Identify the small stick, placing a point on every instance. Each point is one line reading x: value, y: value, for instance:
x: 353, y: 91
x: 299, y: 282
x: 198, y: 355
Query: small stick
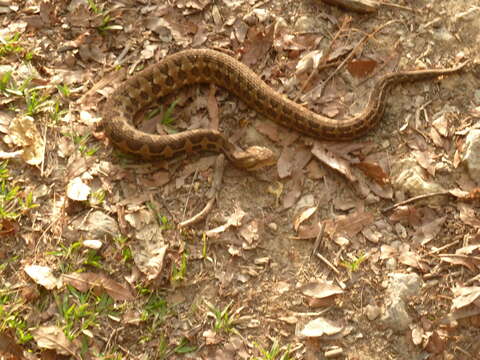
x: 413, y: 199
x: 353, y: 52
x: 211, y: 195
x: 329, y: 264
x: 318, y: 240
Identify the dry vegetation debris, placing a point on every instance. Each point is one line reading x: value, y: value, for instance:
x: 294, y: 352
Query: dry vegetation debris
x: 365, y: 249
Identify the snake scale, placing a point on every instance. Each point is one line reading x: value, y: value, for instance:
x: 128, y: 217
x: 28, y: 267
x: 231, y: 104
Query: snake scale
x: 208, y: 66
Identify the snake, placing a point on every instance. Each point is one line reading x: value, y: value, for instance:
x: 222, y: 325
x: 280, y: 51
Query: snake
x: 195, y: 66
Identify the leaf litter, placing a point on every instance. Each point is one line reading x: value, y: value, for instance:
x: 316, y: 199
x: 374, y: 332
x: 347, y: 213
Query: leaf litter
x: 106, y: 217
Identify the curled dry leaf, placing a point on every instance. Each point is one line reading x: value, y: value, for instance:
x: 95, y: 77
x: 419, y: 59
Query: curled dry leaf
x: 320, y: 289
x: 149, y: 250
x: 321, y: 293
x: 465, y: 295
x: 43, y: 275
x: 303, y: 216
x: 471, y: 195
x: 249, y: 232
x: 470, y: 262
x: 24, y: 133
x: 332, y: 160
x: 88, y: 280
x: 320, y: 327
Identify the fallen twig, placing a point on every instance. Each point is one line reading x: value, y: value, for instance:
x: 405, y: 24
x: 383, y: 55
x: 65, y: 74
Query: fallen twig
x: 413, y: 199
x: 211, y: 195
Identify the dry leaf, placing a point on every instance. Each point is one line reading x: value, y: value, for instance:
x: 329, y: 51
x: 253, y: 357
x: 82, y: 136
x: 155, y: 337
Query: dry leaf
x: 332, y: 160
x: 249, y: 232
x: 234, y: 219
x: 77, y: 190
x: 465, y: 296
x: 43, y: 275
x: 468, y: 215
x: 149, y: 250
x: 360, y: 68
x: 9, y: 349
x: 320, y: 327
x: 469, y: 262
x: 24, y: 133
x: 88, y: 280
x: 303, y: 216
x: 52, y: 337
x: 412, y: 259
x: 374, y: 171
x: 320, y: 289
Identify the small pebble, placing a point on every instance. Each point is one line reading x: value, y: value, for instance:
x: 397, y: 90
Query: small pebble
x: 372, y: 312
x: 272, y: 226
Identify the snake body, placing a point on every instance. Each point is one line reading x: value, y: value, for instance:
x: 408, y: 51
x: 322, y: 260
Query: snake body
x: 209, y: 66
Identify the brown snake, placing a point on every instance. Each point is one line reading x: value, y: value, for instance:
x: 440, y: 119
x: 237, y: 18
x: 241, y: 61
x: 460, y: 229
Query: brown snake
x: 209, y: 66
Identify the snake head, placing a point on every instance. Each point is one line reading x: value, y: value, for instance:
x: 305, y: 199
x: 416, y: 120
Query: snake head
x: 253, y: 158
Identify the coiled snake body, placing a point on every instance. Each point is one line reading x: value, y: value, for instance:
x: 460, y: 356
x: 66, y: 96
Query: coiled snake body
x: 209, y: 66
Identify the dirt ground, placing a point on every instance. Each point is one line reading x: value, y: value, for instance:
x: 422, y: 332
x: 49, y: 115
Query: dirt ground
x: 295, y: 261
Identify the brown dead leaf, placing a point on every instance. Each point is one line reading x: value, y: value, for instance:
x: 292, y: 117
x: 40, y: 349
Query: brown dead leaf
x: 470, y: 262
x: 436, y: 341
x: 269, y: 129
x: 285, y: 162
x: 414, y: 260
x: 441, y: 124
x: 425, y: 160
x: 348, y: 225
x: 361, y: 68
x: 292, y: 159
x: 8, y: 227
x: 294, y: 190
x: 98, y: 282
x: 387, y: 252
x: 52, y: 337
x: 149, y: 250
x: 374, y: 171
x: 157, y: 179
x: 212, y: 107
x: 257, y: 44
x: 284, y: 39
x: 333, y: 161
x: 407, y: 215
x: 9, y: 349
x: 429, y: 230
x: 315, y: 171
